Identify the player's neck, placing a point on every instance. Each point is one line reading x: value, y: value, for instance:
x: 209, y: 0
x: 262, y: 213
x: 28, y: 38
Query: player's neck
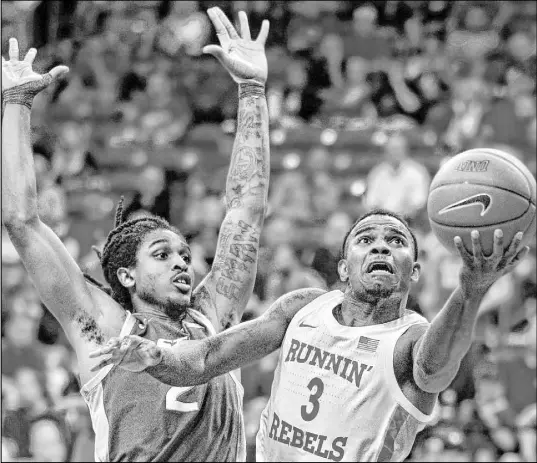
x: 155, y: 311
x: 356, y: 312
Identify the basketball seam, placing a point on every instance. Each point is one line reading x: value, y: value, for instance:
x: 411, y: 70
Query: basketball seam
x: 524, y: 174
x: 484, y: 184
x: 481, y: 226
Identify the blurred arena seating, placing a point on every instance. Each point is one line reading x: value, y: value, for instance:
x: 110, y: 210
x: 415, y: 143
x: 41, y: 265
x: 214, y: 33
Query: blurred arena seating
x: 143, y: 113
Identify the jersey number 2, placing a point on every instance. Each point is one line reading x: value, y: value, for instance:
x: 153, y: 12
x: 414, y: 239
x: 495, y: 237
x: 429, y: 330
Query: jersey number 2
x: 314, y: 399
x: 172, y: 396
x: 173, y: 403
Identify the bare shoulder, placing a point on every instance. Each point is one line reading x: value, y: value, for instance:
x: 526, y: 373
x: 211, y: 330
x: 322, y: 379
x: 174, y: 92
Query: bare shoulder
x: 289, y: 304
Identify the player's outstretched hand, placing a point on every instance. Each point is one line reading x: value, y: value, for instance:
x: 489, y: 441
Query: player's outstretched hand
x: 131, y: 353
x: 479, y: 272
x: 17, y: 73
x: 243, y: 57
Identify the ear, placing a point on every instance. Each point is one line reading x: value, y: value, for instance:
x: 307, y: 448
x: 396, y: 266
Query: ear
x: 416, y: 270
x: 343, y: 270
x: 126, y: 277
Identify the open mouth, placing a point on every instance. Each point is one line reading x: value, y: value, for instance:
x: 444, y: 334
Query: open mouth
x: 182, y: 282
x: 380, y: 268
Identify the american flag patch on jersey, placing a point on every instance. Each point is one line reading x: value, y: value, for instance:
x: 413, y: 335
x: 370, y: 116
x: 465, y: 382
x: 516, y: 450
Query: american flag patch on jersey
x: 368, y: 344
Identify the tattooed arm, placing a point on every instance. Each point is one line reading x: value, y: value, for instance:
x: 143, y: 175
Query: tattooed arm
x: 196, y: 362
x: 222, y: 296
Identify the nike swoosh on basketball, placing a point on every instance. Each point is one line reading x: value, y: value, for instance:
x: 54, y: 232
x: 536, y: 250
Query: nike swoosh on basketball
x: 481, y: 199
x: 305, y: 325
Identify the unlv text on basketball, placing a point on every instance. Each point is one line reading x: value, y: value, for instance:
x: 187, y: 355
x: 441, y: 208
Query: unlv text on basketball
x: 300, y: 352
x: 280, y: 431
x: 473, y: 166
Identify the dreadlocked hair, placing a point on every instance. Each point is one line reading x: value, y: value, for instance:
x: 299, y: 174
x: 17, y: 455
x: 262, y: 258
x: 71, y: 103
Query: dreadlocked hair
x: 121, y: 248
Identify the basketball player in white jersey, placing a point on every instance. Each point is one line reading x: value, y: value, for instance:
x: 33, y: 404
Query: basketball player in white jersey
x: 358, y: 374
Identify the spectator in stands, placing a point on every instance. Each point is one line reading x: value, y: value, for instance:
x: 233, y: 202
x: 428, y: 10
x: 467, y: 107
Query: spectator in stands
x: 50, y: 439
x: 327, y: 256
x: 288, y: 273
x: 365, y: 38
x: 398, y: 183
x: 152, y: 195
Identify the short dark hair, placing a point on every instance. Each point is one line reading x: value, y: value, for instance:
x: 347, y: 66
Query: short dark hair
x: 121, y: 248
x: 385, y: 212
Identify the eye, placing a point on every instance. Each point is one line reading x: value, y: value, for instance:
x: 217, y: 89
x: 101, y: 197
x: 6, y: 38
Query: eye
x: 161, y: 255
x: 364, y: 240
x: 398, y: 241
x: 187, y: 258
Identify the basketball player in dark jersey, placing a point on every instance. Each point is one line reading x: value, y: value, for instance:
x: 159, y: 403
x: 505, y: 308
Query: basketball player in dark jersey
x: 147, y: 265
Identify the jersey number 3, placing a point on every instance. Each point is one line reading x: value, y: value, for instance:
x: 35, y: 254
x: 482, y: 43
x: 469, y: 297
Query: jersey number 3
x: 314, y: 399
x: 172, y: 396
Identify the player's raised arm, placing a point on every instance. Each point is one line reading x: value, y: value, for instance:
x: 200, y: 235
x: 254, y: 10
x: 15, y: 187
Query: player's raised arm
x: 224, y: 293
x: 437, y: 354
x: 196, y: 362
x: 53, y: 271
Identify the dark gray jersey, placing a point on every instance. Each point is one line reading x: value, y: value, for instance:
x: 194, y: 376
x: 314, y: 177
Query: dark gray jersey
x: 138, y: 418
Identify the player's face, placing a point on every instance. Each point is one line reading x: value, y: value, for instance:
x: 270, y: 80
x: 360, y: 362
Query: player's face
x: 380, y: 258
x: 164, y: 274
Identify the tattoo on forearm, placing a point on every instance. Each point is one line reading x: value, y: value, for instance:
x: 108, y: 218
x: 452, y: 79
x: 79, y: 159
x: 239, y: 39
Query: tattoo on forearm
x: 235, y: 258
x: 249, y: 170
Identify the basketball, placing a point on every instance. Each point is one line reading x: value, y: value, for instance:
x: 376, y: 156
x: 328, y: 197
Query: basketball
x: 482, y: 189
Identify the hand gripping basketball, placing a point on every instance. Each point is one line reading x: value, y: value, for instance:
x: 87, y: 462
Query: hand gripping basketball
x: 131, y: 353
x: 479, y: 272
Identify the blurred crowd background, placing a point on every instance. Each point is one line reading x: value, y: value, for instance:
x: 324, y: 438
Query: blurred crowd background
x: 366, y: 100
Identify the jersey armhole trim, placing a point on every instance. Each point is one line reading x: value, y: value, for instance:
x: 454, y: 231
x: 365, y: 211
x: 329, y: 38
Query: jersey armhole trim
x: 317, y: 303
x: 126, y: 329
x: 395, y: 390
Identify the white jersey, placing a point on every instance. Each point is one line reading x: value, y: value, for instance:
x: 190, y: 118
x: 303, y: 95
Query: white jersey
x: 335, y: 396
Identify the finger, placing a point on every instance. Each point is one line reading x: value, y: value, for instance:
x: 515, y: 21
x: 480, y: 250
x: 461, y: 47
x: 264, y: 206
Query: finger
x: 217, y: 23
x: 58, y: 71
x: 102, y: 364
x: 512, y: 250
x: 514, y: 246
x: 112, y: 344
x: 227, y: 24
x: 497, y: 252
x: 477, y: 251
x: 263, y: 33
x: 13, y: 49
x: 519, y: 257
x: 465, y: 255
x: 216, y: 51
x: 103, y: 351
x: 245, y: 27
x: 30, y: 56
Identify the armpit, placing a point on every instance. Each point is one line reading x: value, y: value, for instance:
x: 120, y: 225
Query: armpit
x: 88, y: 327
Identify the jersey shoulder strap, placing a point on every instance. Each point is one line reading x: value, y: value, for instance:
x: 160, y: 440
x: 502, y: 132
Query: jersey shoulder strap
x: 126, y: 329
